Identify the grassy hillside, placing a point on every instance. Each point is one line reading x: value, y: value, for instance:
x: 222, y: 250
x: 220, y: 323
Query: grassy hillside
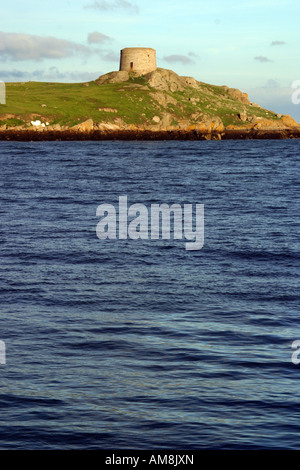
x: 134, y: 101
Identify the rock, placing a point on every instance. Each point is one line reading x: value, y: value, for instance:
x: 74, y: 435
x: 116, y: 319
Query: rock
x: 289, y: 121
x: 107, y: 126
x: 34, y: 128
x: 108, y: 110
x: 255, y: 105
x: 54, y: 127
x: 166, y: 80
x: 36, y: 123
x: 8, y: 116
x: 43, y: 105
x: 190, y: 82
x: 119, y: 122
x: 238, y: 95
x: 113, y: 77
x: 166, y: 121
x: 85, y: 126
x: 211, y: 123
x: 157, y: 80
x: 243, y: 115
x: 163, y: 99
x: 156, y: 119
x: 263, y: 123
x: 196, y: 116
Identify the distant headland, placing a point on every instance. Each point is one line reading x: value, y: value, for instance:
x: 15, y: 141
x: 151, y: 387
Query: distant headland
x: 139, y: 101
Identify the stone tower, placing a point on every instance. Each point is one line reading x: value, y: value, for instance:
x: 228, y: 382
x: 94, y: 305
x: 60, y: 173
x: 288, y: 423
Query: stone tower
x: 140, y: 60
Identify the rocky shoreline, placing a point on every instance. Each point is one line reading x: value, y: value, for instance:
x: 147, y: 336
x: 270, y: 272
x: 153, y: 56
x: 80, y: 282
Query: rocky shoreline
x: 100, y: 135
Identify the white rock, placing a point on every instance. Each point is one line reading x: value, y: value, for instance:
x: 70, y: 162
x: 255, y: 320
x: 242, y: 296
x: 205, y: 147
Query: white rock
x: 36, y: 123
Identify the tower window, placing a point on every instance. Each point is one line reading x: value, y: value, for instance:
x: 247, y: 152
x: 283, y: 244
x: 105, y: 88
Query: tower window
x: 131, y: 65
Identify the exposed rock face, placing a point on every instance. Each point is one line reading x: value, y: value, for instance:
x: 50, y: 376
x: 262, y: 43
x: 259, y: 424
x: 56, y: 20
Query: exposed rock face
x: 289, y: 121
x: 190, y: 81
x: 55, y: 127
x: 167, y: 80
x: 163, y: 99
x: 257, y: 122
x: 161, y: 79
x: 209, y: 124
x: 237, y: 95
x: 85, y: 126
x: 113, y: 77
x: 108, y: 126
x: 243, y: 115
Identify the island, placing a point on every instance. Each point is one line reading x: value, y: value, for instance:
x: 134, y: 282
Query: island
x: 137, y: 102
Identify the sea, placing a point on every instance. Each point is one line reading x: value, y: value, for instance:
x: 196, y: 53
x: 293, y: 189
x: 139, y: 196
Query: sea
x: 141, y: 343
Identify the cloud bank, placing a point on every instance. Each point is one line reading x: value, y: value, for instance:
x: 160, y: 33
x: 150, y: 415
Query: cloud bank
x: 16, y: 46
x: 98, y: 38
x: 28, y: 47
x: 52, y: 74
x: 177, y: 58
x: 105, y: 5
x: 262, y: 59
x: 278, y: 43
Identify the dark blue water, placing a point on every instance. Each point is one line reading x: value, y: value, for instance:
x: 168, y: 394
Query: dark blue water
x: 140, y: 344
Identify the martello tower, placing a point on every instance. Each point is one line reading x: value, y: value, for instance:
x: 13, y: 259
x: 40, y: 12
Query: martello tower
x: 140, y: 60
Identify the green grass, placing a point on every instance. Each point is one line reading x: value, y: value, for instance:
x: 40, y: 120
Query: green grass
x: 12, y: 122
x: 72, y: 103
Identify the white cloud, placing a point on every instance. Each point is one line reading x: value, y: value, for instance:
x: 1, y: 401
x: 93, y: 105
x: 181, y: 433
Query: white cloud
x: 109, y: 56
x: 98, y: 38
x: 262, y: 59
x: 25, y: 47
x: 16, y: 46
x: 278, y: 43
x: 193, y: 55
x: 52, y: 74
x: 105, y: 5
x: 272, y: 83
x: 177, y: 58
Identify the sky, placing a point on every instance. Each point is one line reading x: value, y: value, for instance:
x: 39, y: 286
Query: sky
x: 252, y: 45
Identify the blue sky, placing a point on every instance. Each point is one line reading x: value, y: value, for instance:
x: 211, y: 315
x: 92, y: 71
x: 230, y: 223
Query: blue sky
x: 252, y: 45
